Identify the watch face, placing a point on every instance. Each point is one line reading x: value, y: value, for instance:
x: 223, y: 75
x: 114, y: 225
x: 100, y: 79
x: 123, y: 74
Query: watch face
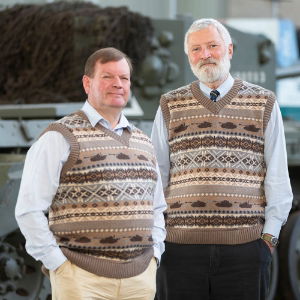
x: 274, y: 241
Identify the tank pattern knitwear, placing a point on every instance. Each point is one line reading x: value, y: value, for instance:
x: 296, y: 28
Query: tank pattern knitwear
x: 215, y: 193
x: 102, y: 213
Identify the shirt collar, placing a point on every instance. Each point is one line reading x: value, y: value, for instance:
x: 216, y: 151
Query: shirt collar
x: 223, y: 89
x: 95, y: 118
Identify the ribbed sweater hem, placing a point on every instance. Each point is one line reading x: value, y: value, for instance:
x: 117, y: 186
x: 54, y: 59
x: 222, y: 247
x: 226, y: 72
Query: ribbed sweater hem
x: 110, y: 268
x: 224, y: 236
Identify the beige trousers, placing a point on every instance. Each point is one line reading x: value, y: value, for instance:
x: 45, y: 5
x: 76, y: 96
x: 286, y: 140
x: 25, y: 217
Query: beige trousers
x: 70, y: 282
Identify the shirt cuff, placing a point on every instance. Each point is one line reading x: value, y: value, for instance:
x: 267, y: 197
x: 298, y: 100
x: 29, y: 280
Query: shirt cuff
x: 272, y: 227
x: 54, y: 259
x: 157, y: 254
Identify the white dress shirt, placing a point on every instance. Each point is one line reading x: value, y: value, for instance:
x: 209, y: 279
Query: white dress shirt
x: 276, y: 184
x: 39, y: 184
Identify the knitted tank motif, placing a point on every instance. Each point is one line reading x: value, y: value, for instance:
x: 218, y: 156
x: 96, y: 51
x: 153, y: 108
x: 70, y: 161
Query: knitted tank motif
x: 215, y: 193
x: 102, y: 213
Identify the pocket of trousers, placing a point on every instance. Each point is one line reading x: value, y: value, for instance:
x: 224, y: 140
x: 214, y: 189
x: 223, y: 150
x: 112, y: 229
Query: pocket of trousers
x: 62, y: 267
x: 265, y: 246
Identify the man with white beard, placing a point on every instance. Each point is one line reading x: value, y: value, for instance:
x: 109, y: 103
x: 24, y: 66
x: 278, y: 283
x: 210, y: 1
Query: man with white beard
x: 221, y: 151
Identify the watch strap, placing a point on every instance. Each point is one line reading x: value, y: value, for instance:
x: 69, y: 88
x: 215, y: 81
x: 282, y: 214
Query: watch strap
x: 270, y: 238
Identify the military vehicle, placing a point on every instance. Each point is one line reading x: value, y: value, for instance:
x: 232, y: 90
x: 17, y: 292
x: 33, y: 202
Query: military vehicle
x: 289, y: 247
x: 40, y: 81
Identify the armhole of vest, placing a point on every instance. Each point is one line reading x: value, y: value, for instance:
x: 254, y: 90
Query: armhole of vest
x: 74, y: 145
x: 165, y: 111
x: 268, y: 110
x: 154, y: 159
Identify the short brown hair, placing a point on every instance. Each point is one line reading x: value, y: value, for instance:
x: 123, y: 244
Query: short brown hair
x: 103, y: 56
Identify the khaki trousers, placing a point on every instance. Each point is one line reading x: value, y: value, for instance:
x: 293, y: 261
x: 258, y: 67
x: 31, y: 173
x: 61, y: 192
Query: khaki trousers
x: 70, y: 282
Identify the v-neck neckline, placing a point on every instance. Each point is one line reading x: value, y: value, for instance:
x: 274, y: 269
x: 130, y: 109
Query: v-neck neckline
x: 215, y: 107
x: 123, y: 138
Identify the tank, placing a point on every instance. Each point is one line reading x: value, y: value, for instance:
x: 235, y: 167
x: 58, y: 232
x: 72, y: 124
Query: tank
x: 289, y: 248
x: 40, y: 81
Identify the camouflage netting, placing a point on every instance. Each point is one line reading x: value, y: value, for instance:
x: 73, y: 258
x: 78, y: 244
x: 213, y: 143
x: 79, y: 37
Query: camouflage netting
x: 44, y: 47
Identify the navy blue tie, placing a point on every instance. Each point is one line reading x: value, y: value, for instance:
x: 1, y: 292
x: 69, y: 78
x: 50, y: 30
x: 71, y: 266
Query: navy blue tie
x: 214, y: 94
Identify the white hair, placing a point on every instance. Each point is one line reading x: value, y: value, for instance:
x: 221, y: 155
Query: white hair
x: 203, y: 23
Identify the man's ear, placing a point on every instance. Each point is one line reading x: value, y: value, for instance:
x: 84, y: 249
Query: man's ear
x: 86, y: 83
x: 230, y: 51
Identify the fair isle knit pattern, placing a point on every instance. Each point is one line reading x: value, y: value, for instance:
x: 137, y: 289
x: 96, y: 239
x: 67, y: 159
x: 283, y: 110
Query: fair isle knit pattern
x: 102, y: 213
x: 215, y: 193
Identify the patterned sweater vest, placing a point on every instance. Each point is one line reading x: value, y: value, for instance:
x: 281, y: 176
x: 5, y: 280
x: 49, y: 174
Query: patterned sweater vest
x: 102, y: 213
x: 215, y: 193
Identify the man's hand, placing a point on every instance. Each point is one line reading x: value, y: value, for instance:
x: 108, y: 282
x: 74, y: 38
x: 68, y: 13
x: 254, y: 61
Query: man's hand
x: 270, y: 240
x: 272, y: 249
x: 45, y: 271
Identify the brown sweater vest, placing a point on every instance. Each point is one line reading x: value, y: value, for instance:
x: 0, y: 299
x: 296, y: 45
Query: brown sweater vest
x: 102, y: 213
x: 215, y: 193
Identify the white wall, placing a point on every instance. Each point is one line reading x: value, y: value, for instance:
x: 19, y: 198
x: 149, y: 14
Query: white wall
x: 285, y: 9
x: 203, y: 9
x: 157, y: 9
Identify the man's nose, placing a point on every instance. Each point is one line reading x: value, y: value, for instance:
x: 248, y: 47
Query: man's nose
x: 117, y: 82
x: 205, y: 53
